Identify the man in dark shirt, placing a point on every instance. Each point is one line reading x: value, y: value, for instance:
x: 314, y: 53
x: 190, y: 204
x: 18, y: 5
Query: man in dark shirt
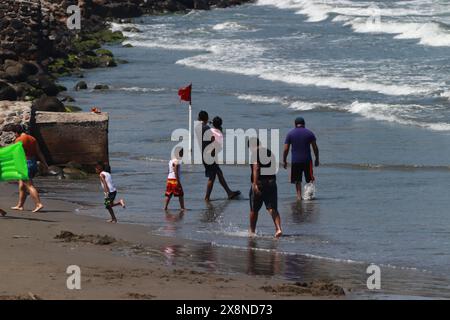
x: 301, y: 140
x: 212, y: 169
x: 264, y: 185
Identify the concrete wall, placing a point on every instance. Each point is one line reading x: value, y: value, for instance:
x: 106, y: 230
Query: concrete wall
x: 80, y: 137
x: 73, y: 137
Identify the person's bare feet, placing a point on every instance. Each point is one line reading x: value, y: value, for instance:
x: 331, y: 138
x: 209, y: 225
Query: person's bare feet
x: 233, y: 195
x: 112, y: 221
x: 122, y: 203
x: 17, y: 208
x: 2, y: 213
x: 278, y: 234
x: 38, y: 208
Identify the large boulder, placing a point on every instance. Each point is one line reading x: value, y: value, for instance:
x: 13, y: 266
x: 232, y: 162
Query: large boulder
x: 7, y: 92
x: 15, y: 71
x: 23, y: 89
x: 46, y: 103
x: 82, y: 85
x: 7, y: 54
x: 31, y: 68
x: 101, y: 87
x: 48, y: 85
x: 44, y: 83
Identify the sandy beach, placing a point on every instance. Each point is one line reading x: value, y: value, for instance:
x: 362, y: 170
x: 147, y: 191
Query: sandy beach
x: 370, y: 80
x: 117, y: 262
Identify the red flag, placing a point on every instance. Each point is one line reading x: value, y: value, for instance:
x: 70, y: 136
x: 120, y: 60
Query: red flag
x: 185, y: 93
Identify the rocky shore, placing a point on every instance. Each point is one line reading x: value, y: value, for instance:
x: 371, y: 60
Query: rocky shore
x: 37, y: 47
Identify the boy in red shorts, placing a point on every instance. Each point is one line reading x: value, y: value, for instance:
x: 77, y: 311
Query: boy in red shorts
x: 174, y: 187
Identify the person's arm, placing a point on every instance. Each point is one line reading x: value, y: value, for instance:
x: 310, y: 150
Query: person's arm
x: 177, y: 174
x: 255, y: 171
x: 41, y: 156
x: 104, y: 184
x: 285, y: 155
x: 316, y: 152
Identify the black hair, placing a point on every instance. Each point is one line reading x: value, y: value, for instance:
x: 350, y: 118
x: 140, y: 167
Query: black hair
x: 16, y: 128
x: 203, y: 116
x: 104, y: 166
x: 217, y: 123
x: 180, y: 150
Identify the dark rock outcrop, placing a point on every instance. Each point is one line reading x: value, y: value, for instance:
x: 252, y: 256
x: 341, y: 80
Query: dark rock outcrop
x: 82, y: 85
x: 7, y: 92
x: 46, y: 103
x: 101, y: 87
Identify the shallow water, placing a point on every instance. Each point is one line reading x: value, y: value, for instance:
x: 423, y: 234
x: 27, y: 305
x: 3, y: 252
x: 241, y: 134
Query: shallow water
x: 378, y: 103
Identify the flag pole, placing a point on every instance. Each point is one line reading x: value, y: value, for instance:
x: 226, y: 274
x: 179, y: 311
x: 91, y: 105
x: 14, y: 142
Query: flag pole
x: 190, y: 130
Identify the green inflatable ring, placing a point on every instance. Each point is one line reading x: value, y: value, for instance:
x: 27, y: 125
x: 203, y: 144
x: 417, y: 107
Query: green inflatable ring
x: 13, y: 163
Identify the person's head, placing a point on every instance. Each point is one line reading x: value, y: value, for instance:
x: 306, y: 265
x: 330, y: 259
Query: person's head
x: 179, y: 153
x: 101, y: 166
x: 17, y: 129
x: 217, y: 123
x: 203, y: 116
x: 299, y: 122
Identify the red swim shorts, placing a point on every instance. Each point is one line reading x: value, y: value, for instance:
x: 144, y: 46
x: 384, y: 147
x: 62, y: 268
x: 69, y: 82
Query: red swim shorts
x: 173, y: 188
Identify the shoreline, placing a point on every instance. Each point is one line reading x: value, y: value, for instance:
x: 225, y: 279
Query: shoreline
x: 118, y: 261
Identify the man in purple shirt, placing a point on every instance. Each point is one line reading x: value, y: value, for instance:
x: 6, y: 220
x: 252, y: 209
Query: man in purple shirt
x: 301, y: 140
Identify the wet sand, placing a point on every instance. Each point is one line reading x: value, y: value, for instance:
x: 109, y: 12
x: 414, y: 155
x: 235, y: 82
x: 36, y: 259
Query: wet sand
x: 117, y: 261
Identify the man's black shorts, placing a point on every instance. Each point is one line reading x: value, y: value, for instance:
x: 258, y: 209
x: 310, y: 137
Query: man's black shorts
x: 300, y: 169
x: 211, y: 170
x: 268, y: 196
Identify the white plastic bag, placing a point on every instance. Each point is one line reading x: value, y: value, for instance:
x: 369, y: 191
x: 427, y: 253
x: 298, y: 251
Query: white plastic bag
x: 309, y: 191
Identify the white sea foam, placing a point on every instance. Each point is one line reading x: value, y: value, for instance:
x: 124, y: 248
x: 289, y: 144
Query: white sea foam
x: 229, y: 26
x: 261, y: 99
x: 319, y: 10
x: 445, y: 95
x: 296, y: 105
x: 120, y: 26
x: 343, y: 83
x: 408, y: 20
x: 167, y: 44
x: 306, y: 106
x: 429, y: 34
x: 400, y: 114
x: 139, y: 89
x: 278, y: 71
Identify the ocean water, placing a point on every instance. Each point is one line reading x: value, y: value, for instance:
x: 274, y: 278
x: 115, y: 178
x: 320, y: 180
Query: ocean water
x: 371, y: 78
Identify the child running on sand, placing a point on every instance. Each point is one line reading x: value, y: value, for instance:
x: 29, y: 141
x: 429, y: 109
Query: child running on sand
x: 110, y: 190
x: 174, y: 187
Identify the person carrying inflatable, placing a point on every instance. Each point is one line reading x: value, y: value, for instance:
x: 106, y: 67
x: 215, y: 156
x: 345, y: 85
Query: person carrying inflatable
x: 33, y: 153
x: 13, y: 165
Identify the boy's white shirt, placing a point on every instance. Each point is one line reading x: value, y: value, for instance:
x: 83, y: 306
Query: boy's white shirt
x: 174, y: 162
x: 107, y: 187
